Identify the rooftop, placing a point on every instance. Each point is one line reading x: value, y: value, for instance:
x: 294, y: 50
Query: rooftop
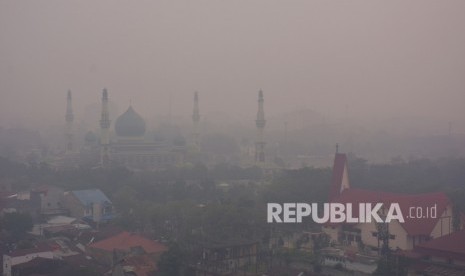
x: 41, y: 247
x: 125, y: 241
x: 87, y: 197
x: 413, y: 226
x: 450, y: 246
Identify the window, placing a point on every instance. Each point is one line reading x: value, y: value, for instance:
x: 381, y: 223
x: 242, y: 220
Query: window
x: 107, y: 210
x: 392, y: 237
x: 87, y: 211
x: 374, y: 234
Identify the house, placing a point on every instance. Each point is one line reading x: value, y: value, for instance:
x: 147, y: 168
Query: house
x: 59, y: 225
x: 427, y: 216
x: 58, y: 266
x: 21, y: 202
x: 90, y: 205
x: 50, y: 199
x: 131, y: 251
x: 20, y: 256
x: 37, y: 266
x: 40, y: 202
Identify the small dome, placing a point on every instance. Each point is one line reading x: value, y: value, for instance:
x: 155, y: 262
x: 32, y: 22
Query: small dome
x: 90, y: 137
x: 130, y: 124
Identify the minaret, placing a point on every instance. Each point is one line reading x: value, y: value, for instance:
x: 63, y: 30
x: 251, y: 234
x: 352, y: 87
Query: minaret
x: 69, y: 124
x: 105, y: 132
x: 196, y: 120
x: 260, y: 123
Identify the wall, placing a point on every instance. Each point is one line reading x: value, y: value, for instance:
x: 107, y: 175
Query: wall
x: 444, y: 224
x: 73, y: 205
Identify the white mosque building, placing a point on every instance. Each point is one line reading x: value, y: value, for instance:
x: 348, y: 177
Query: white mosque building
x: 126, y: 145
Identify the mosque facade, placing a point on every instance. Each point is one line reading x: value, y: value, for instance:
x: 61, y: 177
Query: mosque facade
x: 131, y: 148
x: 127, y: 144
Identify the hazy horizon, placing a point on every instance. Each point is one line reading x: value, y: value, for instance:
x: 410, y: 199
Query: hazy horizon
x: 363, y: 59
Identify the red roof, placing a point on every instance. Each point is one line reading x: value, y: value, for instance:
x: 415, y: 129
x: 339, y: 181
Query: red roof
x: 126, y: 241
x: 340, y: 161
x: 448, y: 246
x: 413, y: 226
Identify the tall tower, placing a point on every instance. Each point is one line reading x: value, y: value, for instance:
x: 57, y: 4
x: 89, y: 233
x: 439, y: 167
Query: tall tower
x: 69, y: 124
x: 105, y: 131
x: 196, y: 120
x: 260, y: 123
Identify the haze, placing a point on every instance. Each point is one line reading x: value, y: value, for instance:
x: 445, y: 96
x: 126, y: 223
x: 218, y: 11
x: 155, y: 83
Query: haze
x: 359, y: 59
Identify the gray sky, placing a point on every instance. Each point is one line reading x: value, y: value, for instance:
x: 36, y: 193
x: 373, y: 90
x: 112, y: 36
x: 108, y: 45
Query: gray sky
x: 379, y: 58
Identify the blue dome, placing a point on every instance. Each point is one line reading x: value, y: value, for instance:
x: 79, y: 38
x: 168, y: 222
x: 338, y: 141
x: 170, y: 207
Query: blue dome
x: 130, y: 124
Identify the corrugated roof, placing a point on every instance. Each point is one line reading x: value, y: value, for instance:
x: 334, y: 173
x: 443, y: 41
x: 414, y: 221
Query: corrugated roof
x: 125, y: 241
x: 39, y: 248
x: 61, y: 220
x: 87, y: 197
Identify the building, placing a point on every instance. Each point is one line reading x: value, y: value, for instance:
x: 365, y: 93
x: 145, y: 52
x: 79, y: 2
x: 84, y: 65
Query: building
x: 427, y: 216
x: 131, y: 252
x: 50, y: 199
x: 71, y: 154
x: 90, y: 205
x: 442, y: 256
x: 21, y: 256
x: 222, y: 258
x: 125, y: 242
x: 131, y: 148
x: 128, y: 144
x: 57, y: 256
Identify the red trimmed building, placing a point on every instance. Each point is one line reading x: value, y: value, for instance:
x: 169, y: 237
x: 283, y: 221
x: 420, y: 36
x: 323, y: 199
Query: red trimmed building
x: 427, y: 216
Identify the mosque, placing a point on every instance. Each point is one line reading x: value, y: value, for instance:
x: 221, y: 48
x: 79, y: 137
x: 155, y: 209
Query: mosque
x: 130, y: 146
x: 126, y: 145
x: 132, y: 150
